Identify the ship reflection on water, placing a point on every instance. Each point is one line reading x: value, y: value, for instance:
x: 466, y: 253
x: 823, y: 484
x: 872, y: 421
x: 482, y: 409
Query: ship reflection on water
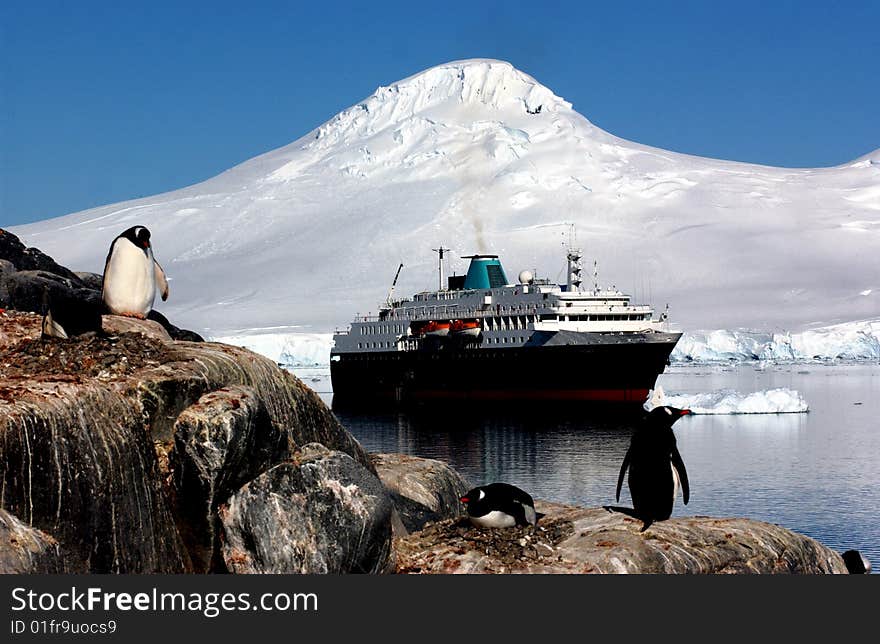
x: 557, y: 455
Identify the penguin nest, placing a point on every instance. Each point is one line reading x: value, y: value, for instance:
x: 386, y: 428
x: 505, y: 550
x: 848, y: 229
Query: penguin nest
x: 80, y: 358
x: 510, y: 547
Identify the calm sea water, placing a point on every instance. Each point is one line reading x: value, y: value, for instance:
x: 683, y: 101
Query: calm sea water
x: 816, y: 473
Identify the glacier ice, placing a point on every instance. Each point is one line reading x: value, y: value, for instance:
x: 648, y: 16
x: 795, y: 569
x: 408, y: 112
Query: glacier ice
x: 848, y: 341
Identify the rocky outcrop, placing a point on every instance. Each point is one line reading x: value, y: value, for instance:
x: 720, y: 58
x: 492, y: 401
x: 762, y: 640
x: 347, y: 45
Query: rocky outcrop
x: 24, y: 550
x: 31, y: 259
x: 92, y: 431
x: 424, y: 490
x: 592, y: 540
x: 323, y: 512
x: 30, y: 279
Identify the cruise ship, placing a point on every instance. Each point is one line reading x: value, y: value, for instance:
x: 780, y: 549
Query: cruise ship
x: 482, y: 338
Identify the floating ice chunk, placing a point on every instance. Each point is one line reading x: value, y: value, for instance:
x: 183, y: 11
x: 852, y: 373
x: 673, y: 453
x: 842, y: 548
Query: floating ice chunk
x: 726, y: 401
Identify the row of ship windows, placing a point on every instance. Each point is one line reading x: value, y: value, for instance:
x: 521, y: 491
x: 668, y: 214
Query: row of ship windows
x: 603, y: 318
x: 391, y: 345
x: 394, y: 328
x: 515, y: 322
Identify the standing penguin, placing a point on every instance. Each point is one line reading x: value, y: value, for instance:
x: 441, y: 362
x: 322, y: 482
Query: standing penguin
x: 655, y: 468
x: 132, y: 276
x: 500, y: 505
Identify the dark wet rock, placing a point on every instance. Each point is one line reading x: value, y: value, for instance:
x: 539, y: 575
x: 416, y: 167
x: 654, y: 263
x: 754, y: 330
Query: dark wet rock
x: 31, y: 259
x: 592, y: 540
x: 86, y: 427
x: 91, y: 280
x: 25, y: 550
x: 423, y: 489
x: 220, y: 443
x: 77, y: 463
x: 323, y: 512
x: 30, y: 290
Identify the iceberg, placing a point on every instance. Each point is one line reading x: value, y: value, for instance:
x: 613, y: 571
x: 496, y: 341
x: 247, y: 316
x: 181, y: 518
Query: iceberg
x: 858, y: 340
x: 726, y: 401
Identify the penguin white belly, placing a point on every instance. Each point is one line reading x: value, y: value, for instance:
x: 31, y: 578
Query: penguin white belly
x: 494, y: 519
x: 676, y: 482
x: 130, y: 281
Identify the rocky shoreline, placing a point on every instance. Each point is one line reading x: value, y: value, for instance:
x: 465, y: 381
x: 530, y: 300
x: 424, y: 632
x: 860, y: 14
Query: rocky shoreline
x: 143, y: 450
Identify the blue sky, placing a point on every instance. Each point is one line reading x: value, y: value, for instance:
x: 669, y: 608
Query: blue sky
x: 106, y: 101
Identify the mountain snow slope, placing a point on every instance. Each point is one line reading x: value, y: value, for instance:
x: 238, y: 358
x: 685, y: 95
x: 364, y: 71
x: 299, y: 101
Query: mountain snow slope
x: 480, y: 157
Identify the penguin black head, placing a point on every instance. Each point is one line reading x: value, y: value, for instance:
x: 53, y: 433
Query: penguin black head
x: 474, y: 500
x: 139, y: 236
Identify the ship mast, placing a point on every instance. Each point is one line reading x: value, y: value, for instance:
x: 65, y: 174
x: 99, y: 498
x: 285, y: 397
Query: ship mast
x: 440, y: 251
x: 574, y: 262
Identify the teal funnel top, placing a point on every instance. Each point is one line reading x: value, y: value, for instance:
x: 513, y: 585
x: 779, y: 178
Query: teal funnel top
x: 485, y: 271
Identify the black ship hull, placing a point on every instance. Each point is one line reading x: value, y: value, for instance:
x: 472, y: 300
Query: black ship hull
x: 556, y: 366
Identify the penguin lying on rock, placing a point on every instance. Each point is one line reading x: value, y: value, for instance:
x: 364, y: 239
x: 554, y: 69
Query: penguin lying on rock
x: 655, y: 468
x: 500, y: 505
x: 132, y: 276
x: 68, y: 313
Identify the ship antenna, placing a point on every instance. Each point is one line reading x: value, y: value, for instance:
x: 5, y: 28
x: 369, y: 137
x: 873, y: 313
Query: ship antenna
x: 440, y: 251
x: 393, y: 284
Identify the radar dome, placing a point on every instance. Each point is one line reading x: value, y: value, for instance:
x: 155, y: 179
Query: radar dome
x: 526, y: 277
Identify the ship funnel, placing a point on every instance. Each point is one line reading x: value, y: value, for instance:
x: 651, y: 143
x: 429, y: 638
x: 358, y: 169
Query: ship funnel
x: 485, y: 271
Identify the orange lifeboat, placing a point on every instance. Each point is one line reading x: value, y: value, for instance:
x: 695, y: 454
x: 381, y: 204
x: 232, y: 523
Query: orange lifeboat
x: 468, y: 328
x: 436, y: 328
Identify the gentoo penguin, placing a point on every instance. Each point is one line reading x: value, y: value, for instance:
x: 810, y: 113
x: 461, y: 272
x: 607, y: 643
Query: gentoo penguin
x: 500, y: 505
x: 67, y: 314
x: 655, y: 468
x: 132, y: 275
x: 856, y: 563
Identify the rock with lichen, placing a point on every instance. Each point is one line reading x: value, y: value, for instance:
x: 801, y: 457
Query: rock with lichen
x: 321, y: 512
x: 591, y: 540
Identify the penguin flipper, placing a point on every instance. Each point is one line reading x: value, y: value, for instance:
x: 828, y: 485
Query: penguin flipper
x: 678, y: 464
x: 518, y: 511
x: 623, y: 467
x: 161, y: 282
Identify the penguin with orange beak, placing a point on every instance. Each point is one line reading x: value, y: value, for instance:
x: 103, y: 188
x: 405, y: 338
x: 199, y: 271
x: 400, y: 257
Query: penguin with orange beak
x: 656, y: 469
x: 132, y: 276
x: 500, y: 505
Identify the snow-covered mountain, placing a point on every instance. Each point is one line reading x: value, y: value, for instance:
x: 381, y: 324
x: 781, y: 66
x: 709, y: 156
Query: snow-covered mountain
x: 480, y: 157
